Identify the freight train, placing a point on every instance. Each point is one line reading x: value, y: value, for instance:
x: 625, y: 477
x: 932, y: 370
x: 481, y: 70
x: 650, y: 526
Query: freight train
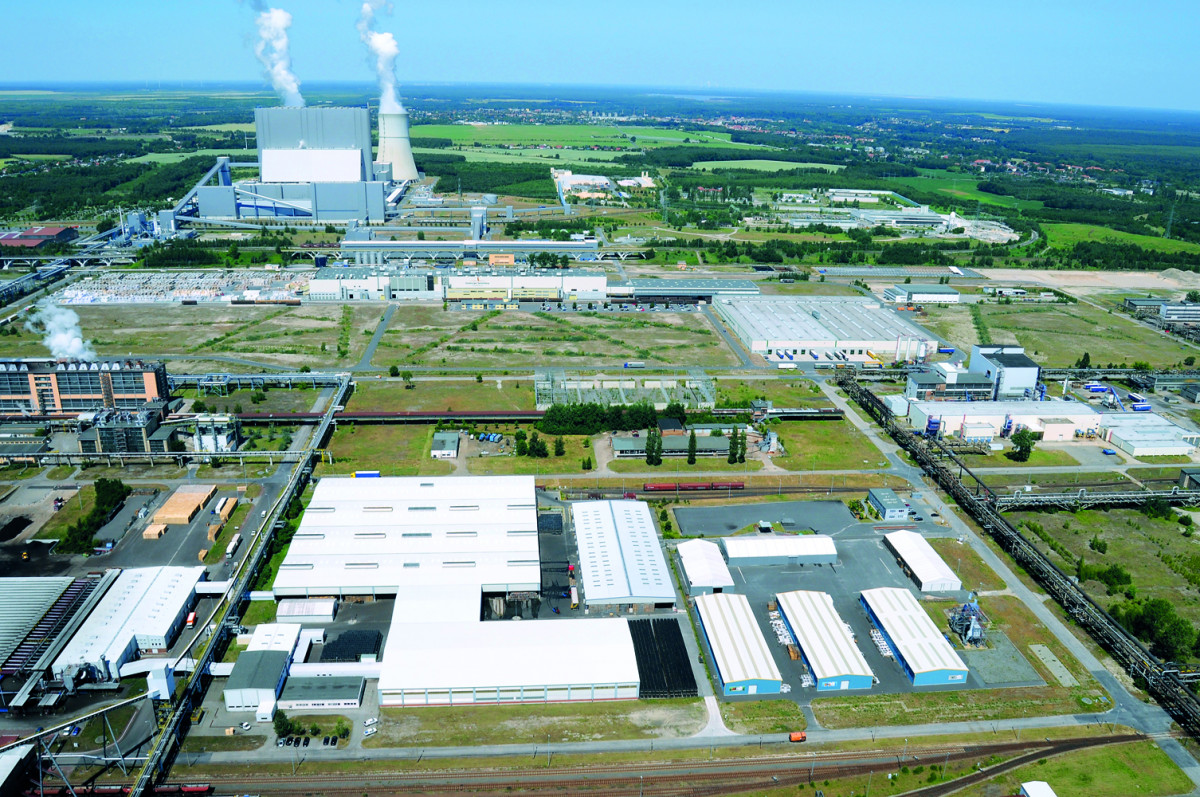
x: 98, y: 790
x: 671, y: 487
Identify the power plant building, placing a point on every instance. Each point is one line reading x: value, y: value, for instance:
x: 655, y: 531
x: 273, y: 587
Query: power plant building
x: 43, y: 386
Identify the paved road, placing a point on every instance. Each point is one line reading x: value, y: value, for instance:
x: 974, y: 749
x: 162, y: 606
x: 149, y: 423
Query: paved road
x: 733, y: 342
x: 364, y: 364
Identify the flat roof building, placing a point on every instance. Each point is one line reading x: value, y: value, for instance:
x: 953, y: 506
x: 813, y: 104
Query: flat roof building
x: 322, y: 693
x: 1146, y: 434
x: 743, y: 660
x: 306, y: 610
x: 919, y: 293
x: 814, y: 326
x: 1008, y: 416
x: 1014, y: 373
x: 257, y: 678
x: 780, y: 549
x: 704, y: 569
x: 885, y: 501
x: 916, y: 642
x: 621, y: 561
x: 445, y: 445
x: 919, y: 559
x: 824, y: 641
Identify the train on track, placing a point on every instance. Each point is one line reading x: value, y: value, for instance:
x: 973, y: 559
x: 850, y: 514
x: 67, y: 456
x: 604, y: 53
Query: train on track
x: 688, y: 487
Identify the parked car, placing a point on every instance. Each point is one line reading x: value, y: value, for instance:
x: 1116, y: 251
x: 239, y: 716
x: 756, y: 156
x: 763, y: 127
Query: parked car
x: 1110, y: 452
x: 279, y: 742
x: 245, y: 726
x: 325, y: 742
x: 370, y: 722
x: 305, y: 744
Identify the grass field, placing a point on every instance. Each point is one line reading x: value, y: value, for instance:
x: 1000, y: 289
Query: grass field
x: 216, y: 551
x: 1064, y: 236
x: 75, y: 508
x: 784, y: 392
x: 195, y: 743
x: 1040, y: 458
x: 764, y: 716
x: 1058, y: 334
x: 510, y: 464
x: 578, y: 136
x: 967, y: 565
x: 1011, y: 616
x: 277, y: 400
x: 1161, y: 560
x: 176, y: 157
x: 825, y: 445
x: 961, y: 186
x: 680, y: 465
x: 764, y: 166
x: 430, y: 336
x: 1119, y: 771
x: 524, y: 724
x: 550, y: 158
x: 401, y: 450
x: 260, y: 612
x: 389, y: 395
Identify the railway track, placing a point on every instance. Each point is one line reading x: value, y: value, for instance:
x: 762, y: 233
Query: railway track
x: 663, y: 779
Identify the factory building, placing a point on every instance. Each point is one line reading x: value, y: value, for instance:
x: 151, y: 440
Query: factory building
x: 825, y: 328
x: 918, y: 645
x: 126, y: 431
x: 260, y: 670
x: 736, y: 645
x: 780, y: 549
x: 948, y: 382
x: 704, y: 569
x: 918, y: 558
x: 511, y: 285
x: 621, y: 561
x: 372, y: 283
x: 51, y: 386
x: 672, y: 446
x: 35, y: 237
x: 306, y: 610
x: 216, y: 434
x: 887, y: 504
x: 1055, y: 419
x: 444, y: 446
x: 917, y: 293
x: 23, y: 602
x: 673, y: 291
x: 1013, y: 373
x: 142, y: 612
x: 1179, y: 313
x: 1147, y: 434
x: 824, y: 641
x: 322, y: 693
x: 365, y: 250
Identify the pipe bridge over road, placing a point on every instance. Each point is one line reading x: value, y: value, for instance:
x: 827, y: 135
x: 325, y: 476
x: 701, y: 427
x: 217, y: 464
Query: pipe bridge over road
x: 1162, y: 679
x: 1082, y: 499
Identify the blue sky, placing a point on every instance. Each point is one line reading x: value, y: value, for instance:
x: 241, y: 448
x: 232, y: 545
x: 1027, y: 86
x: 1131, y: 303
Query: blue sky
x: 1056, y: 51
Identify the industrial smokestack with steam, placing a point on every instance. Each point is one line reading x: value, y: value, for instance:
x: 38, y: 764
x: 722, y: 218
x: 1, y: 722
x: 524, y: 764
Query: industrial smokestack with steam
x: 271, y: 50
x: 394, y: 145
x: 60, y: 331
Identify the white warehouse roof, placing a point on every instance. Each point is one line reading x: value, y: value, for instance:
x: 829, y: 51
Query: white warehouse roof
x: 620, y: 558
x: 817, y: 321
x: 779, y: 545
x: 703, y: 564
x: 737, y: 642
x: 1147, y: 434
x: 822, y: 635
x: 376, y: 536
x: 918, y: 640
x: 305, y: 607
x: 275, y: 636
x: 142, y: 602
x: 476, y: 655
x: 930, y: 570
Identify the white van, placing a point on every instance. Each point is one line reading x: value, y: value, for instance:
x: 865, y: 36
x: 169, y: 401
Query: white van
x: 371, y: 721
x: 370, y: 732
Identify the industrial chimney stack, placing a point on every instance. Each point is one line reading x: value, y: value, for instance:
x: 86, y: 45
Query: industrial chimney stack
x: 394, y: 146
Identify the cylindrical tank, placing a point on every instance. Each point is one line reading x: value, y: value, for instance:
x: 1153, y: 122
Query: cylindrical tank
x: 394, y: 146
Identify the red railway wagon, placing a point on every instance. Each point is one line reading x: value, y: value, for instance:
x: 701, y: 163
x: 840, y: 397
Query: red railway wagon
x: 658, y: 487
x: 694, y: 486
x: 729, y: 486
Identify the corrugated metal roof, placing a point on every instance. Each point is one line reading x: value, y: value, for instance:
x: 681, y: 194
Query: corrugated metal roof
x: 703, y: 564
x: 305, y: 607
x: 275, y: 636
x: 825, y: 319
x: 923, y: 561
x: 620, y: 557
x: 822, y: 635
x: 737, y: 642
x: 917, y: 639
x: 23, y: 602
x: 779, y: 545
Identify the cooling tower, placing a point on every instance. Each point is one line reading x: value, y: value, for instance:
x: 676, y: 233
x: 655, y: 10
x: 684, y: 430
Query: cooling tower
x: 394, y: 146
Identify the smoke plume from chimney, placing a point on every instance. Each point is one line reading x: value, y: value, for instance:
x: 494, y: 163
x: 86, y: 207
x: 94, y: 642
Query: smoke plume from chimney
x: 384, y: 50
x: 272, y: 51
x: 59, y: 328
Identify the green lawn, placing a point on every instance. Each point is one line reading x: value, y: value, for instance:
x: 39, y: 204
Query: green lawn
x: 216, y: 551
x: 785, y: 392
x: 1065, y: 236
x: 764, y: 716
x: 467, y: 395
x: 825, y: 445
x: 1140, y: 768
x: 1040, y: 458
x: 75, y: 508
x: 60, y: 472
x: 11, y: 473
x: 401, y: 450
x: 259, y: 612
x: 680, y: 465
x: 967, y: 565
x: 446, y: 726
x: 511, y: 464
x: 238, y: 742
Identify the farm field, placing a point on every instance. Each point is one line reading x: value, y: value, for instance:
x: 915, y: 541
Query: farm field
x: 389, y: 395
x: 176, y: 157
x: 430, y: 336
x: 1058, y: 334
x: 401, y: 450
x: 1064, y: 236
x: 566, y: 158
x: 962, y: 187
x: 1161, y: 560
x: 764, y: 166
x: 632, y: 138
x: 824, y: 445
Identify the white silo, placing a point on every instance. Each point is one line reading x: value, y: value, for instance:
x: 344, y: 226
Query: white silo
x: 394, y: 146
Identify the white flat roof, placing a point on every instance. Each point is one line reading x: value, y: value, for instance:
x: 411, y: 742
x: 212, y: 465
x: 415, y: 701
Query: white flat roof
x: 737, y: 642
x: 1037, y: 788
x: 381, y: 535
x: 825, y: 319
x: 620, y: 558
x: 275, y: 636
x: 305, y: 607
x: 920, y: 557
x: 703, y: 564
x: 748, y: 545
x: 1050, y: 408
x: 1147, y: 428
x: 917, y: 639
x: 463, y: 655
x: 142, y: 601
x: 822, y: 635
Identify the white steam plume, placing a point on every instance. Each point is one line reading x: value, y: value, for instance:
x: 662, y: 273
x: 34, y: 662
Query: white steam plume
x: 272, y: 51
x: 384, y: 50
x: 59, y: 328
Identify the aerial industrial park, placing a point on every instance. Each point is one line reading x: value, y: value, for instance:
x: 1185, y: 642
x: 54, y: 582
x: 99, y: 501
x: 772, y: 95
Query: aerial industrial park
x: 507, y: 441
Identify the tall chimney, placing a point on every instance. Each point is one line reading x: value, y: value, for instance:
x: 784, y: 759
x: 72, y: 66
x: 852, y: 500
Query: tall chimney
x: 394, y: 146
